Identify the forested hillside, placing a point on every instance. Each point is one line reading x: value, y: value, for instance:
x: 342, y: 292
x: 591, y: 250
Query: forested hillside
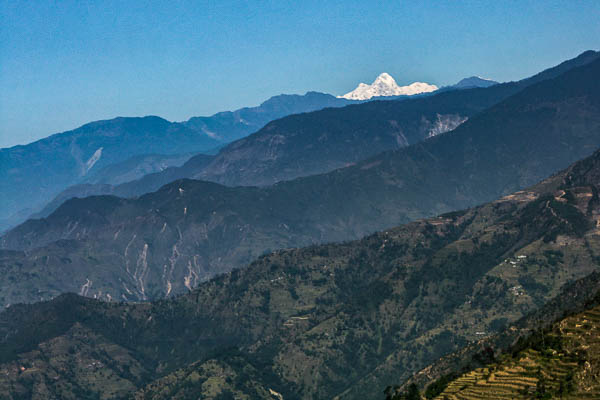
x: 323, y: 321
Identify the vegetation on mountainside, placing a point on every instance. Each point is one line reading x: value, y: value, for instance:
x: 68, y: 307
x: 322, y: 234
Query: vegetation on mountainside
x: 231, y: 375
x: 562, y: 361
x: 322, y: 321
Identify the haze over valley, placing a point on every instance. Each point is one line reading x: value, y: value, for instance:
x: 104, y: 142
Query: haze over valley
x: 434, y: 234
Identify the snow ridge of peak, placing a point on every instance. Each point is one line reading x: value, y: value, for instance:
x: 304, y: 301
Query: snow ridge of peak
x: 385, y: 85
x: 385, y: 77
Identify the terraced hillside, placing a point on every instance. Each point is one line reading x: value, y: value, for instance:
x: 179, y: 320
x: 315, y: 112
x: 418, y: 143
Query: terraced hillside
x: 564, y: 362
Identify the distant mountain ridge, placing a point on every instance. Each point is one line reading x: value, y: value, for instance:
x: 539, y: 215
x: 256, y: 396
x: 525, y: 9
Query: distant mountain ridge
x: 319, y: 142
x: 146, y: 184
x: 315, y: 142
x: 213, y: 132
x: 232, y: 125
x: 135, y: 167
x: 474, y: 81
x: 31, y: 175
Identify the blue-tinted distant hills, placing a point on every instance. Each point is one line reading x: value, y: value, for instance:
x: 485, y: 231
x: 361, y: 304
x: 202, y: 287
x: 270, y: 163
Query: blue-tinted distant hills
x: 166, y: 242
x: 125, y: 149
x: 232, y: 125
x: 34, y: 174
x: 308, y: 143
x: 320, y: 141
x: 474, y: 81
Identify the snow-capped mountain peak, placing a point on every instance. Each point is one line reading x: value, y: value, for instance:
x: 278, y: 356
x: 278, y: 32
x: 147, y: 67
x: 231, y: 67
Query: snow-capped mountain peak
x: 385, y: 78
x: 385, y: 85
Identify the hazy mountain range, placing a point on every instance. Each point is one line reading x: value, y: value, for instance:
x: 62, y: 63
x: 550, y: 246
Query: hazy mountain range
x: 324, y: 321
x: 312, y: 143
x: 475, y: 81
x: 125, y: 149
x: 445, y: 243
x: 285, y: 149
x: 166, y: 242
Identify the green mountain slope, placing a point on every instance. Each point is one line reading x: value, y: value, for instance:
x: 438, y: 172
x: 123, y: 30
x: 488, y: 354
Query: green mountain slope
x: 564, y: 362
x: 559, y: 361
x: 323, y: 321
x: 167, y: 242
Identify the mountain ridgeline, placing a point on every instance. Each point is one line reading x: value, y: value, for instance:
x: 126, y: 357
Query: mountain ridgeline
x: 474, y: 81
x: 318, y: 142
x: 312, y: 143
x: 136, y: 167
x: 334, y: 320
x: 148, y: 183
x: 229, y: 126
x: 167, y: 242
x: 106, y: 151
x: 34, y: 173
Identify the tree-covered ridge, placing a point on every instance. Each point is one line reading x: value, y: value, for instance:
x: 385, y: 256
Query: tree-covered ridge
x: 322, y: 321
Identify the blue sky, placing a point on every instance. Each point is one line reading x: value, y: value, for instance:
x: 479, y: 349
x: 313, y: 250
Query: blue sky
x: 66, y: 63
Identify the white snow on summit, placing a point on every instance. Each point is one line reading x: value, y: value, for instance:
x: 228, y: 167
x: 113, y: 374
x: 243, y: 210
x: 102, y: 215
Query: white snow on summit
x: 385, y: 85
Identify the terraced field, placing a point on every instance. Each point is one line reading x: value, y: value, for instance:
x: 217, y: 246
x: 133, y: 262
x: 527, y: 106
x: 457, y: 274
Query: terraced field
x: 563, y: 363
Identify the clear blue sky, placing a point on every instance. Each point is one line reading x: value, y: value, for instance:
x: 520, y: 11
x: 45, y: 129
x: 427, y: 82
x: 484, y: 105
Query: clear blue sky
x: 65, y: 63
